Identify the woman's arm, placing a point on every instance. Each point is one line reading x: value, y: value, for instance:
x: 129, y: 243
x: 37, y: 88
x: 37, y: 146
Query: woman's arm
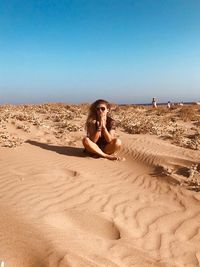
x: 93, y: 133
x: 109, y: 135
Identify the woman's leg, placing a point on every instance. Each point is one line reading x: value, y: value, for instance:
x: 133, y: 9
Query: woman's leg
x: 93, y: 148
x: 113, y: 146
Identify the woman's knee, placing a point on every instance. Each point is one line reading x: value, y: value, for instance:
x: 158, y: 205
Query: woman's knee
x: 85, y: 141
x: 117, y: 142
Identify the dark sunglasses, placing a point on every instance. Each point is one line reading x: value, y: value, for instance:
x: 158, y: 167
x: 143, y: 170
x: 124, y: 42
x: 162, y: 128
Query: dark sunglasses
x: 100, y: 108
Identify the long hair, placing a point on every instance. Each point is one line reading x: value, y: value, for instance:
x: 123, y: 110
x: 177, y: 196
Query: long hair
x: 92, y: 115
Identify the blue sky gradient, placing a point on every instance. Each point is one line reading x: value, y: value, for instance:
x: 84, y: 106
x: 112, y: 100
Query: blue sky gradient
x: 80, y: 50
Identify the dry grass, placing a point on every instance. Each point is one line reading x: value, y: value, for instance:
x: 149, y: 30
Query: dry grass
x: 53, y: 118
x: 163, y: 122
x: 188, y: 113
x: 60, y: 119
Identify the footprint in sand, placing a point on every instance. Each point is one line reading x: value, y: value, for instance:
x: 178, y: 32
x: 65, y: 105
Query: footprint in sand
x: 84, y: 221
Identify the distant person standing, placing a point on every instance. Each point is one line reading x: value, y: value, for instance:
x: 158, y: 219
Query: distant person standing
x: 154, y: 104
x: 168, y: 104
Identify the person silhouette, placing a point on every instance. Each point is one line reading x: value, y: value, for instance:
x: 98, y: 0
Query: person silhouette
x: 101, y: 139
x: 154, y: 104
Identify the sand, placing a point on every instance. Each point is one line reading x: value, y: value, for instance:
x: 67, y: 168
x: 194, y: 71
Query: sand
x: 60, y: 207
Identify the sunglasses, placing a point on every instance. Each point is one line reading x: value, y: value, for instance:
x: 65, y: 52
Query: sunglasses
x: 100, y: 108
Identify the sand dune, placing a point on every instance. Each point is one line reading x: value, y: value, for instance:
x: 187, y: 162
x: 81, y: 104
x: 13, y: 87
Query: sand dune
x: 60, y: 207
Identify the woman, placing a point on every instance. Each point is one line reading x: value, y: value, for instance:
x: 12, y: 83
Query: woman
x: 154, y: 104
x: 101, y: 138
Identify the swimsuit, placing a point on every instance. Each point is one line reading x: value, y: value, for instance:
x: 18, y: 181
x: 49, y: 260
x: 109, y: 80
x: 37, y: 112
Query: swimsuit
x: 110, y: 125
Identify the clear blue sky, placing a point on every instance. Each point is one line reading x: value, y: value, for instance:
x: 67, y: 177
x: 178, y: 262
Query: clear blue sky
x: 126, y: 51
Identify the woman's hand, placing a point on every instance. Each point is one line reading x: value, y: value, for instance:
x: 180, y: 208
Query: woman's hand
x: 99, y: 126
x: 102, y: 122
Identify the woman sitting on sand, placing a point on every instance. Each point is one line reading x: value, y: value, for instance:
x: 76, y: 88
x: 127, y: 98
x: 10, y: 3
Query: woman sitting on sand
x: 101, y: 138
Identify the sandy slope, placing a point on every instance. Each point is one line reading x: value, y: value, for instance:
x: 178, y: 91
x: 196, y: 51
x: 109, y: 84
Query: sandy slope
x: 59, y: 207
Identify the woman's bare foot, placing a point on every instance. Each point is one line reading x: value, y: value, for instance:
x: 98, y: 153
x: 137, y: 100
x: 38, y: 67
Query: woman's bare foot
x: 112, y: 157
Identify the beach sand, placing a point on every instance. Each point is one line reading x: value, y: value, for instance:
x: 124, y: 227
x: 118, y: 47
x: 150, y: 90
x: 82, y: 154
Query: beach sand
x: 60, y: 207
